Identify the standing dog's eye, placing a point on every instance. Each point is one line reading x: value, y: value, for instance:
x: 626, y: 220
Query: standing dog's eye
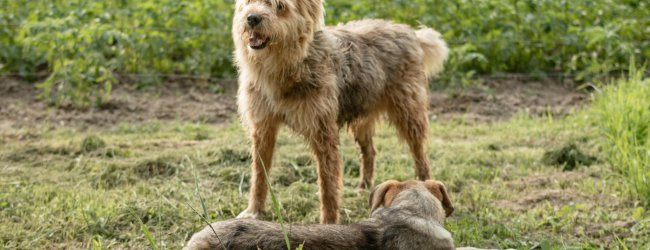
x: 280, y: 6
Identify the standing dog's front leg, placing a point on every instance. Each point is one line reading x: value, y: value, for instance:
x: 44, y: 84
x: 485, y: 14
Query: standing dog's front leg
x: 324, y: 143
x: 263, y: 135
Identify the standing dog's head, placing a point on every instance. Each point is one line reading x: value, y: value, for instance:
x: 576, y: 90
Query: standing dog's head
x: 384, y: 194
x: 261, y: 27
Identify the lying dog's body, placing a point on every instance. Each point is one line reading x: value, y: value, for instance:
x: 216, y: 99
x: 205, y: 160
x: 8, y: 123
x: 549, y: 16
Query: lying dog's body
x: 406, y: 215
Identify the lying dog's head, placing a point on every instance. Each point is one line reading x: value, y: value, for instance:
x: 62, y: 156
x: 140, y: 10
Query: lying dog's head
x: 385, y: 193
x: 265, y: 26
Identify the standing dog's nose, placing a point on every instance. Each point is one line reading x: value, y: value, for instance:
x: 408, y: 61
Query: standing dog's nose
x: 254, y: 20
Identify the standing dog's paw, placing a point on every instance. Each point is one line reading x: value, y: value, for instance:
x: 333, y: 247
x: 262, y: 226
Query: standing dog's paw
x: 363, y: 186
x: 248, y: 215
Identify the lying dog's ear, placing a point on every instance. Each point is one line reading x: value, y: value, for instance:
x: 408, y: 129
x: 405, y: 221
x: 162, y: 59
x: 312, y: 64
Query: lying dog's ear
x: 440, y: 191
x: 378, y: 194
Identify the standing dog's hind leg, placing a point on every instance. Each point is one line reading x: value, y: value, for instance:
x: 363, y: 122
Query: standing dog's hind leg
x: 363, y: 132
x: 410, y: 119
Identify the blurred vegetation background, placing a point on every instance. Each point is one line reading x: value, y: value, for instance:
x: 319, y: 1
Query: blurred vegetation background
x: 76, y: 50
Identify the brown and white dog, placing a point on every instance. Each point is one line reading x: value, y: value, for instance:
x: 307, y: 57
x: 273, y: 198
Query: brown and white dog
x: 404, y: 215
x: 295, y: 71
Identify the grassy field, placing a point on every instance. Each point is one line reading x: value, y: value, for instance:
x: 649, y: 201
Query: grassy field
x: 522, y: 183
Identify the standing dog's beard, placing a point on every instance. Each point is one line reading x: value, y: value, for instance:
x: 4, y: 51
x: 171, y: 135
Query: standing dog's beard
x: 283, y: 28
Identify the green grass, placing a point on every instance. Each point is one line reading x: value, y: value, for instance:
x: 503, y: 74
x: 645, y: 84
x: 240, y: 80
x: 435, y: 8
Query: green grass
x: 622, y: 111
x: 133, y: 192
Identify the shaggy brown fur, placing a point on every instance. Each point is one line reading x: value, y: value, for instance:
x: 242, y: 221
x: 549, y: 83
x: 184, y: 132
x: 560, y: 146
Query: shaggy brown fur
x: 294, y: 71
x: 405, y: 215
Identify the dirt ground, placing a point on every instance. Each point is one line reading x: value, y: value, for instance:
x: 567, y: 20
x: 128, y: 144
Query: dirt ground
x: 501, y: 99
x: 187, y: 101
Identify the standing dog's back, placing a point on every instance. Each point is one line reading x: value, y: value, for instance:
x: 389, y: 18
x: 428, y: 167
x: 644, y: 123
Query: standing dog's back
x: 379, y: 58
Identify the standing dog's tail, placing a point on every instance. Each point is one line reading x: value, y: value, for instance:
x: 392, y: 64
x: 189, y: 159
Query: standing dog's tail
x: 435, y: 50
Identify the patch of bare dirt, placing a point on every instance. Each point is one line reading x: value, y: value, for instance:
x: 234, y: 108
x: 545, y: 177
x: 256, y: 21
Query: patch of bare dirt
x: 544, y: 180
x: 536, y: 190
x: 544, y: 190
x: 557, y: 198
x: 188, y: 101
x: 501, y: 99
x: 169, y: 101
x: 619, y: 228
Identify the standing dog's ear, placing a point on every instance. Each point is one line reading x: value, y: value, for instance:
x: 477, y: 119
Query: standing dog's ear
x: 440, y: 191
x: 378, y: 195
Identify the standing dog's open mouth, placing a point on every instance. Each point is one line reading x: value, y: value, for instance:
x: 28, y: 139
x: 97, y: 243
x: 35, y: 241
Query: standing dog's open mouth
x: 257, y: 41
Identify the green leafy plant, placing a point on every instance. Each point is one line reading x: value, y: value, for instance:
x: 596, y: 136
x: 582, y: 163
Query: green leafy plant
x: 84, y: 48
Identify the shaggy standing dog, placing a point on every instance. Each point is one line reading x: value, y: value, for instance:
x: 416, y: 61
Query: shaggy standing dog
x: 405, y: 215
x: 294, y: 71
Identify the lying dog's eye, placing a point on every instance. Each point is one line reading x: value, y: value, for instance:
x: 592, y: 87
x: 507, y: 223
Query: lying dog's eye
x: 280, y: 6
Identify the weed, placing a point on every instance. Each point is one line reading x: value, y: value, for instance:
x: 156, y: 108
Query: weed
x: 203, y: 216
x: 277, y: 206
x: 147, y: 234
x: 622, y: 111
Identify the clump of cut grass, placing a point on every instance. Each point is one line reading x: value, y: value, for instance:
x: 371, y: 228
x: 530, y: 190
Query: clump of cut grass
x: 295, y: 169
x: 233, y: 156
x: 92, y: 143
x: 34, y: 152
x: 202, y: 136
x: 622, y: 111
x: 568, y: 157
x: 162, y: 166
x: 351, y: 167
x: 112, y: 176
x: 114, y: 152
